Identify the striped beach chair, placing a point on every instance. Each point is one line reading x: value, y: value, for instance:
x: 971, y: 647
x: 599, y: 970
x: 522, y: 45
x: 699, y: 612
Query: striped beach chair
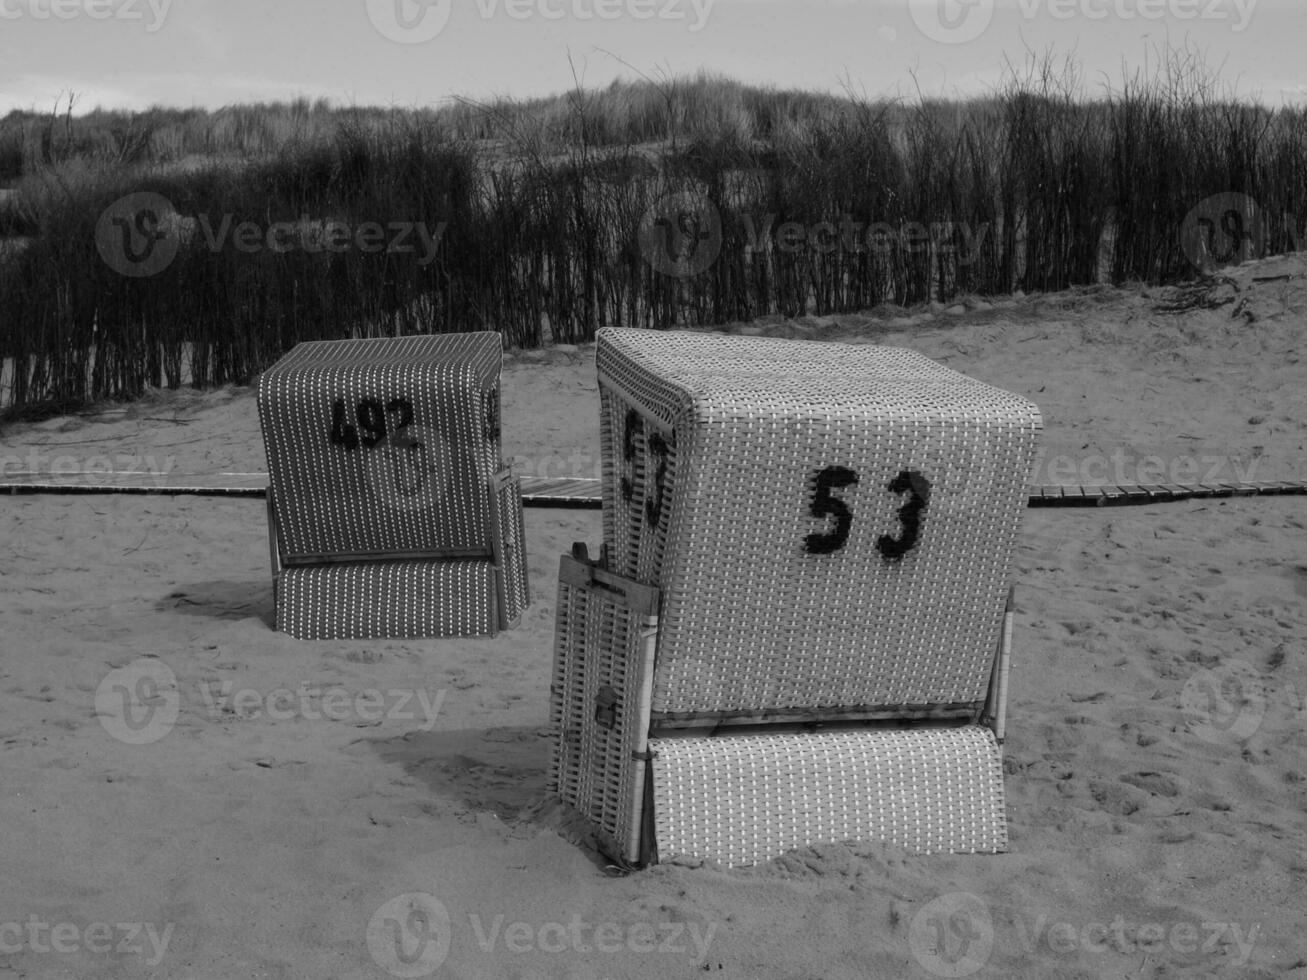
x: 390, y: 512
x: 799, y: 627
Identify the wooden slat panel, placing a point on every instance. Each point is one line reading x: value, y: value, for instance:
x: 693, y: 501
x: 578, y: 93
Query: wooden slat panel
x: 581, y: 493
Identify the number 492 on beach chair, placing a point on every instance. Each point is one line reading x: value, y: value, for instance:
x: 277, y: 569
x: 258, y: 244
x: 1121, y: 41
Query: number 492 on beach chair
x: 390, y: 512
x: 799, y: 627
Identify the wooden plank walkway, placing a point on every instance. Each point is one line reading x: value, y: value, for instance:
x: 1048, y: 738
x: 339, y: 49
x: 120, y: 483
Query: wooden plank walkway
x: 581, y: 494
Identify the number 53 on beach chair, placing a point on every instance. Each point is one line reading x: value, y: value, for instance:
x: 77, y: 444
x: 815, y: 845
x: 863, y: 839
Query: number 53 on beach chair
x: 798, y: 629
x: 390, y: 513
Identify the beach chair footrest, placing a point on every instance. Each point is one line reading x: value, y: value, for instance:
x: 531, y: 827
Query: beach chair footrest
x: 742, y: 800
x: 390, y: 600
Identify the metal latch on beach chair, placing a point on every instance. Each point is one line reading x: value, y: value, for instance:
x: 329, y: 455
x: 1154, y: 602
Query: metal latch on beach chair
x: 606, y: 708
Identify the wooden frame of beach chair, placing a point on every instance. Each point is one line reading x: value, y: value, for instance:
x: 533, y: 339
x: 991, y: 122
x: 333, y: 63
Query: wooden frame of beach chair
x: 762, y: 663
x: 390, y: 513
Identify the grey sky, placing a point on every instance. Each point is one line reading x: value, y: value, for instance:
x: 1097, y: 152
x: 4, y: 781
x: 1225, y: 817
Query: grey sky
x: 134, y: 53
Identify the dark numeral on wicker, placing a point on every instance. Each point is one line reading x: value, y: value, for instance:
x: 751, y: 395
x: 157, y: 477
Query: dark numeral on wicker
x: 634, y: 427
x: 1232, y: 227
x: 374, y: 419
x: 913, y: 483
x: 492, y: 429
x: 342, y: 433
x: 825, y: 504
x: 653, y: 509
x: 404, y: 409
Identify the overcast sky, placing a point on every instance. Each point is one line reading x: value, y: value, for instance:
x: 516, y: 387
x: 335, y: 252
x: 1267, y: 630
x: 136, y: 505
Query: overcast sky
x: 137, y: 53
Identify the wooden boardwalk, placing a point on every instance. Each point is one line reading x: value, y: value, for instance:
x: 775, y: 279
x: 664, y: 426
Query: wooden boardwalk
x: 582, y: 494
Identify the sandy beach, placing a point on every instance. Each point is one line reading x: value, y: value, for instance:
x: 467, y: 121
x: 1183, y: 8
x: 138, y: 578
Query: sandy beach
x: 286, y: 801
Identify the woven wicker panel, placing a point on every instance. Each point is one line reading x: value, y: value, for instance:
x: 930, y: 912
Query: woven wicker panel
x: 510, y: 551
x: 382, y: 446
x: 745, y: 799
x: 752, y: 619
x: 600, y: 642
x: 567, y: 693
x: 388, y: 600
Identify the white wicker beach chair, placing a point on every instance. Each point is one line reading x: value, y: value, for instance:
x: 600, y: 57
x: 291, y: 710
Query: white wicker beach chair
x: 795, y: 633
x: 390, y: 513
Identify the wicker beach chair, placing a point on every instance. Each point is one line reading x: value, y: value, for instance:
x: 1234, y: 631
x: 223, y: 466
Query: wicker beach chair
x: 799, y: 628
x: 390, y: 513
